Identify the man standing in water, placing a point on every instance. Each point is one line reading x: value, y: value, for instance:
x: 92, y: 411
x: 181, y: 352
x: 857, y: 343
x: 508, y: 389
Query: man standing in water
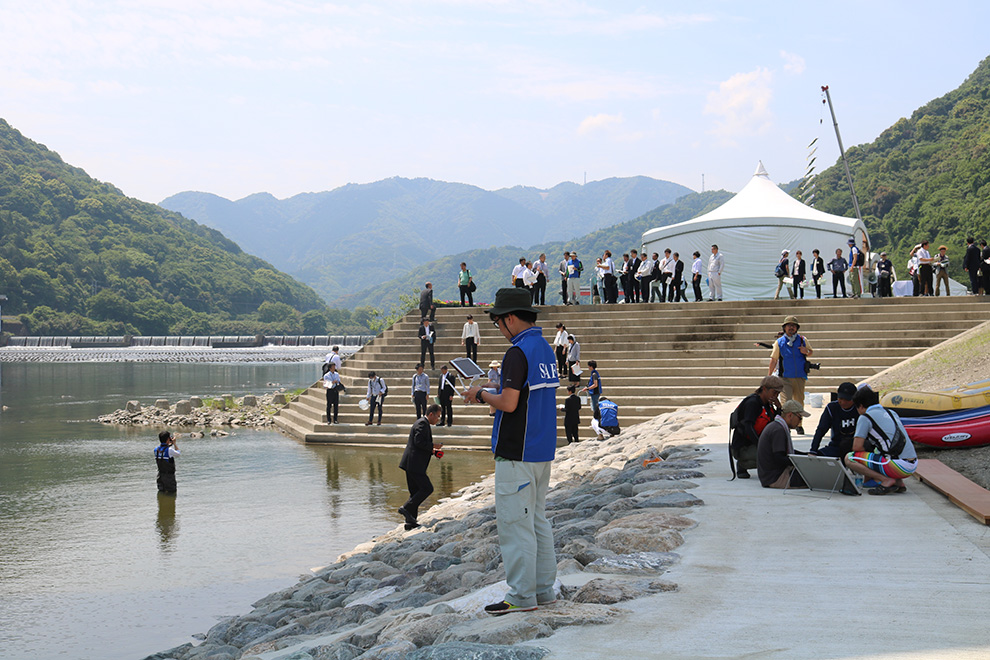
x: 165, y: 454
x: 524, y: 438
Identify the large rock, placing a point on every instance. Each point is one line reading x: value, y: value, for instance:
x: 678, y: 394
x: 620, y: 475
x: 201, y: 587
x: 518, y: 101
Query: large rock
x: 336, y: 651
x: 422, y: 629
x: 196, y: 402
x: 678, y: 499
x: 133, y: 406
x: 609, y: 592
x: 250, y: 401
x: 639, y: 563
x: 183, y: 407
x: 161, y: 404
x: 474, y: 651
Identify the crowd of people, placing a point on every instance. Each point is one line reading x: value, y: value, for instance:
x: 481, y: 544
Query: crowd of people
x: 870, y: 440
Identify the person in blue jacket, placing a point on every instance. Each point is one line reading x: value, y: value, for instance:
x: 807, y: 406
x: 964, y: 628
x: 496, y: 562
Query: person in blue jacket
x: 594, y: 387
x: 789, y: 360
x: 524, y: 440
x: 609, y: 423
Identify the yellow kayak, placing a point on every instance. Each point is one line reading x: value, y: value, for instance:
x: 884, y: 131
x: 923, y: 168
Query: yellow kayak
x: 914, y: 403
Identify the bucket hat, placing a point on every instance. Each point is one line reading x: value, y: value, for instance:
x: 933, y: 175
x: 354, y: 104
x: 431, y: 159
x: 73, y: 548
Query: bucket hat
x: 512, y: 300
x: 791, y: 319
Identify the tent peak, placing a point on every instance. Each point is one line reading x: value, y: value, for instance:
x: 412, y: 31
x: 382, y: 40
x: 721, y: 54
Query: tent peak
x: 760, y: 170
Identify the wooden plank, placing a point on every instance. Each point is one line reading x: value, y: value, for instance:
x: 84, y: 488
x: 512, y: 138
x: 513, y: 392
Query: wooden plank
x: 968, y: 496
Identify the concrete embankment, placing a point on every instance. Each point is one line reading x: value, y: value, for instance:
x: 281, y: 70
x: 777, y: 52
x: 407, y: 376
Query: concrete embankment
x: 420, y: 594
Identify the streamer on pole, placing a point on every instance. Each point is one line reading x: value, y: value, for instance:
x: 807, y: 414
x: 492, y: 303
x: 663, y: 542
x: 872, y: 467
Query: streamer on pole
x: 842, y: 151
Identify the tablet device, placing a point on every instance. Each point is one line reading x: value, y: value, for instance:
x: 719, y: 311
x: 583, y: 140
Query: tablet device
x: 468, y: 368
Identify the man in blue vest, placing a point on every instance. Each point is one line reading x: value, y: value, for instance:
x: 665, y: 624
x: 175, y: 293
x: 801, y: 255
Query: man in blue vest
x: 165, y: 454
x: 609, y: 423
x: 789, y: 360
x: 524, y: 439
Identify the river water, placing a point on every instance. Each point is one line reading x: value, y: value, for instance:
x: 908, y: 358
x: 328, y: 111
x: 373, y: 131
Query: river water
x: 94, y: 564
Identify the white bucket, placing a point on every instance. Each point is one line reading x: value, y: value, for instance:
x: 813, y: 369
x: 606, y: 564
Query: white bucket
x: 585, y: 400
x: 363, y: 404
x: 815, y: 400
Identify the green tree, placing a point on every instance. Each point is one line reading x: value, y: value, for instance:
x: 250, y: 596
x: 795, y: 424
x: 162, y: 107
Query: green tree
x: 314, y: 322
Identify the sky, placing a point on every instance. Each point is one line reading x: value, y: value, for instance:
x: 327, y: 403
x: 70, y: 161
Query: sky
x: 236, y: 97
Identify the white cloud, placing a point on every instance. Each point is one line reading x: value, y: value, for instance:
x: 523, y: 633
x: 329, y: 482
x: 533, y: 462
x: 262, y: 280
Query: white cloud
x: 742, y: 105
x: 599, y: 122
x: 792, y: 63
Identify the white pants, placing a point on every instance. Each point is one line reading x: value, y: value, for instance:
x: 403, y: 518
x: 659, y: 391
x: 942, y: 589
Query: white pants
x: 714, y: 285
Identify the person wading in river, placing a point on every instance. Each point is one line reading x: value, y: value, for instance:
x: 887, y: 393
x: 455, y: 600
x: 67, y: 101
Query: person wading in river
x: 165, y: 454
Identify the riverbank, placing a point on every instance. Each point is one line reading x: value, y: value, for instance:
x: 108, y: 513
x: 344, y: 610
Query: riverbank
x: 418, y: 594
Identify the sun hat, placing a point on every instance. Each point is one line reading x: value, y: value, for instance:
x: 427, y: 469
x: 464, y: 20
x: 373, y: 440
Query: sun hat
x: 791, y: 319
x: 512, y: 300
x: 494, y: 363
x: 792, y: 406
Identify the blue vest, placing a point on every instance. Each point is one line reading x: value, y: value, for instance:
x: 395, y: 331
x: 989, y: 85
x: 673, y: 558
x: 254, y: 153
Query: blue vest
x: 791, y: 358
x: 591, y: 379
x: 610, y: 413
x: 161, y: 453
x: 529, y: 433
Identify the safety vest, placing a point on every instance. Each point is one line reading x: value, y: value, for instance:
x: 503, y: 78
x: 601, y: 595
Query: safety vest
x: 166, y: 464
x: 610, y: 413
x: 791, y: 358
x: 529, y: 433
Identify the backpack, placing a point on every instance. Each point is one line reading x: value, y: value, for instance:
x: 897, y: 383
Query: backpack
x: 779, y: 270
x: 891, y: 447
x: 384, y: 387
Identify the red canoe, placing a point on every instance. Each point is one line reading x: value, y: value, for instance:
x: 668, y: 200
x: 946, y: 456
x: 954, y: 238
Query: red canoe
x: 962, y: 428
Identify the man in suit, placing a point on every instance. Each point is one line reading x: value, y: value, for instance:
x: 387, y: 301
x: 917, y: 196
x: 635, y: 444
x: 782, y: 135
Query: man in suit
x: 971, y: 264
x: 445, y: 393
x: 634, y: 288
x: 426, y: 306
x: 674, y: 292
x: 427, y: 337
x: 415, y: 460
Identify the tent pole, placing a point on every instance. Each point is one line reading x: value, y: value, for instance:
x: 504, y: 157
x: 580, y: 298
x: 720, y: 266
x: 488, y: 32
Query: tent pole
x: 842, y: 152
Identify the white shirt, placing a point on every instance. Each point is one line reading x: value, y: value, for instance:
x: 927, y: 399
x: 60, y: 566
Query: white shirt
x: 528, y: 277
x: 471, y: 330
x: 608, y: 266
x: 542, y: 267
x: 696, y: 266
x: 330, y: 379
x: 716, y: 263
x: 561, y: 338
x: 333, y: 358
x: 375, y: 387
x: 668, y: 265
x: 645, y: 268
x: 517, y: 271
x: 923, y: 256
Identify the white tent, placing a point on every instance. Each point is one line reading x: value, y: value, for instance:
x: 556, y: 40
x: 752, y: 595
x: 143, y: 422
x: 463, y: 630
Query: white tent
x: 751, y: 230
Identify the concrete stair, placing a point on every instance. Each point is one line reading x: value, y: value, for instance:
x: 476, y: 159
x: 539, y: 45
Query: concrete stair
x: 653, y: 357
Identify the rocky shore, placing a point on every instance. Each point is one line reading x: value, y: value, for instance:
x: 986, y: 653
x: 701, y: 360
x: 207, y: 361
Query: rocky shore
x: 248, y: 411
x: 617, y: 509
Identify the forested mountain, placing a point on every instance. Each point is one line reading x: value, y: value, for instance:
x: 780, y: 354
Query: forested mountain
x: 78, y: 257
x: 925, y: 177
x: 345, y: 240
x: 491, y: 267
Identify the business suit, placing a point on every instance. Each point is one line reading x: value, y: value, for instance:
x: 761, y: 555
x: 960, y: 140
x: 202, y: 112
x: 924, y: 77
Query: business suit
x: 415, y: 460
x: 971, y: 262
x: 634, y: 287
x: 799, y: 273
x: 426, y: 306
x: 674, y: 293
x: 445, y: 394
x: 427, y: 336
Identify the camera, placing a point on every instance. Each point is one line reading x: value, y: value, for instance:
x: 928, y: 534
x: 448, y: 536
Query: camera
x: 814, y: 365
x: 438, y: 453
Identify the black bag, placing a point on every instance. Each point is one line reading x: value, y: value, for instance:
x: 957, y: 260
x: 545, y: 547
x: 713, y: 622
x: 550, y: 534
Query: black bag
x: 779, y: 270
x: 891, y: 447
x: 472, y: 287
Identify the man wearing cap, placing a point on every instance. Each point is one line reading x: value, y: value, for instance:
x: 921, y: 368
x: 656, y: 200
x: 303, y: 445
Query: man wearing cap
x: 789, y: 359
x: 855, y: 268
x: 772, y: 464
x: 755, y: 412
x: 165, y: 454
x: 940, y: 262
x: 839, y: 417
x: 524, y: 439
x: 885, y: 276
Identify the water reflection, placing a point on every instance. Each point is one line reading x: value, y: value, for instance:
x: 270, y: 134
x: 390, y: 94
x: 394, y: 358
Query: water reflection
x: 165, y: 524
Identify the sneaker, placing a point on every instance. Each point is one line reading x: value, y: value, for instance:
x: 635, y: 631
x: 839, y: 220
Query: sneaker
x: 505, y: 607
x: 409, y: 526
x: 410, y: 519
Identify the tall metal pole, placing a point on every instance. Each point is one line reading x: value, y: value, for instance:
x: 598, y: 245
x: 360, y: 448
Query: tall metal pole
x: 842, y: 152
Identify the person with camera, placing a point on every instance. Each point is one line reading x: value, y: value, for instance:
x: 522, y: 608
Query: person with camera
x: 789, y: 360
x: 882, y: 449
x: 415, y: 459
x: 885, y: 276
x: 165, y: 454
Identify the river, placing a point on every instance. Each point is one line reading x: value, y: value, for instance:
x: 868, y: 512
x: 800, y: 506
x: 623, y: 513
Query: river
x: 94, y: 564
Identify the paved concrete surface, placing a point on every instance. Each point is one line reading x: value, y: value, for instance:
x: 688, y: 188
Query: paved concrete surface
x: 773, y: 575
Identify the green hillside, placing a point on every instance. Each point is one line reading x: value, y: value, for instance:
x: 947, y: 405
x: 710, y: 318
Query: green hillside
x: 78, y: 257
x: 491, y: 267
x: 925, y: 177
